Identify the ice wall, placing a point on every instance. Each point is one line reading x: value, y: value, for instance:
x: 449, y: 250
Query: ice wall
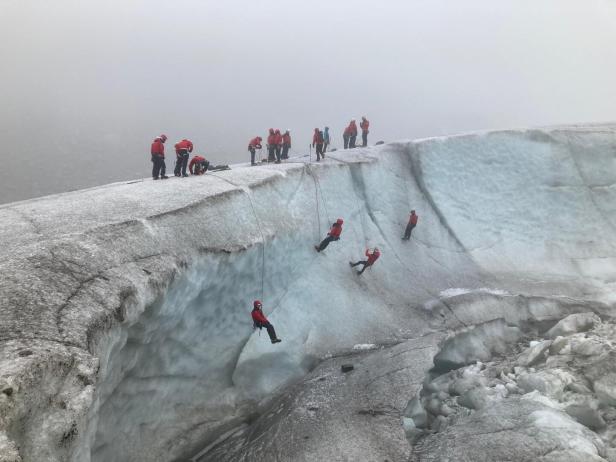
x: 125, y: 329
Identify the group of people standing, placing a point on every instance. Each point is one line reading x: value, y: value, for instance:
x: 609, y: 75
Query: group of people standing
x: 349, y: 135
x: 278, y: 144
x: 198, y: 165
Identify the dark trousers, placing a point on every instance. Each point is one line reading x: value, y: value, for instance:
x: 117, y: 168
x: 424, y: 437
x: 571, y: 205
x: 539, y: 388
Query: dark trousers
x: 325, y: 242
x: 270, y: 329
x: 181, y: 162
x: 271, y: 153
x: 285, y: 151
x: 363, y: 262
x: 277, y: 150
x: 352, y: 141
x: 346, y: 142
x: 252, y: 155
x: 158, y: 166
x: 364, y: 139
x: 319, y: 148
x: 407, y: 232
x: 325, y: 144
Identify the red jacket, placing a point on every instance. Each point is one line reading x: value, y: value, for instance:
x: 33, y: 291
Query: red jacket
x: 336, y: 228
x: 352, y: 128
x: 277, y: 137
x: 195, y: 160
x: 286, y: 140
x: 347, y: 131
x: 413, y: 219
x: 364, y: 124
x: 255, y: 143
x: 372, y: 257
x: 184, y: 144
x: 158, y: 148
x: 271, y: 138
x: 258, y: 316
x: 317, y: 138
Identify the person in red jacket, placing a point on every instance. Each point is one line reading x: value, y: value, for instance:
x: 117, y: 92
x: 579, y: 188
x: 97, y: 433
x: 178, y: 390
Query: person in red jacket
x: 158, y: 157
x: 271, y: 146
x: 345, y: 137
x: 277, y: 144
x: 198, y: 165
x: 352, y: 133
x: 286, y: 144
x: 260, y: 321
x: 317, y: 142
x: 372, y: 257
x: 364, y: 124
x: 333, y: 235
x: 411, y: 224
x: 254, y: 144
x: 182, y: 152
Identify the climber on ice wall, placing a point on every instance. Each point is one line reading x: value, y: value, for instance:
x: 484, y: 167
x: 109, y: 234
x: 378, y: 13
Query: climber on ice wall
x: 372, y: 257
x: 411, y: 224
x: 261, y: 321
x: 333, y: 235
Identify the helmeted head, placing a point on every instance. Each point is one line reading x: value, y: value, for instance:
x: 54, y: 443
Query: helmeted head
x: 163, y: 138
x: 316, y: 130
x: 277, y: 131
x: 353, y: 119
x: 259, y: 138
x: 376, y: 249
x: 339, y: 221
x: 363, y: 117
x: 287, y: 131
x: 326, y: 128
x: 271, y: 130
x: 413, y: 212
x: 257, y: 305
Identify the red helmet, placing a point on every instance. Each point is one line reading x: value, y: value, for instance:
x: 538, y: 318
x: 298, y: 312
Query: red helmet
x: 257, y: 304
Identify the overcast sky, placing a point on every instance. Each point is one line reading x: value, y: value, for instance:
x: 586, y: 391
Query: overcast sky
x: 85, y: 85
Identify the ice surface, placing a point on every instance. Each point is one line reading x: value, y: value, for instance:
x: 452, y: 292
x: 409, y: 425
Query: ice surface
x: 125, y: 308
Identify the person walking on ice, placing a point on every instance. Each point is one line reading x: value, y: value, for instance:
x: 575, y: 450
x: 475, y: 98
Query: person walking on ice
x: 411, y: 224
x: 260, y: 321
x: 372, y: 257
x: 333, y: 235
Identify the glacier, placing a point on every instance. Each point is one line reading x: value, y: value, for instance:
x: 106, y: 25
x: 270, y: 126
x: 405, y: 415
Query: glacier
x: 126, y: 330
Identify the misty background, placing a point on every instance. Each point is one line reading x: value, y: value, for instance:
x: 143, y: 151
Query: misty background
x: 85, y: 85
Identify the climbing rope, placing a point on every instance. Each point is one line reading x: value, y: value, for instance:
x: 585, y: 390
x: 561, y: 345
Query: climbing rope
x: 254, y: 212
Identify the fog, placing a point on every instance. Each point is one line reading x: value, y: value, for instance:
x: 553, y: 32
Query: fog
x: 86, y: 85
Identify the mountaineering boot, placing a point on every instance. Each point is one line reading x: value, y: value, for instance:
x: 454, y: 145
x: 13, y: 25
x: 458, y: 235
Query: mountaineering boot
x: 276, y: 340
x: 164, y: 177
x: 316, y: 247
x: 185, y: 175
x: 155, y: 178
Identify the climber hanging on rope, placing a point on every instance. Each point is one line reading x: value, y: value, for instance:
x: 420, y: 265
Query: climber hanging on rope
x: 409, y: 227
x: 333, y: 235
x: 261, y: 321
x: 372, y: 257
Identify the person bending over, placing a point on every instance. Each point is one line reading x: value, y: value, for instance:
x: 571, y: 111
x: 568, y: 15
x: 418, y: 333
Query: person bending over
x: 198, y: 165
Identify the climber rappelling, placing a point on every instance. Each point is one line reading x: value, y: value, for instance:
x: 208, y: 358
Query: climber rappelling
x: 333, y: 235
x: 261, y: 321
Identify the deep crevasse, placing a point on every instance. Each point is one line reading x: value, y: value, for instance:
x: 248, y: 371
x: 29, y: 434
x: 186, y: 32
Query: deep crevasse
x: 157, y: 280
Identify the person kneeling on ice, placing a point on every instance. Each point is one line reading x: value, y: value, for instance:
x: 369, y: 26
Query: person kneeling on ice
x: 411, y: 224
x: 198, y: 165
x: 261, y: 321
x: 333, y: 235
x: 372, y: 257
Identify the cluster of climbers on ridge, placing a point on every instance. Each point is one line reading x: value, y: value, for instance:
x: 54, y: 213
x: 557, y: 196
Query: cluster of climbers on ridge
x: 278, y: 146
x: 197, y: 166
x: 372, y: 255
